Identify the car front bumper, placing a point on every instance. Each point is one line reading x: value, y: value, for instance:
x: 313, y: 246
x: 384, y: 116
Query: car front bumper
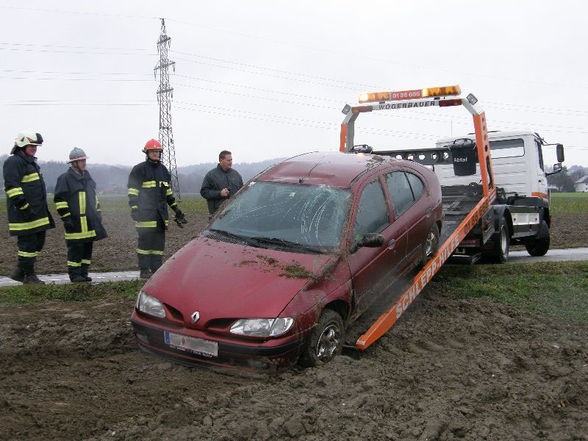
x: 269, y: 355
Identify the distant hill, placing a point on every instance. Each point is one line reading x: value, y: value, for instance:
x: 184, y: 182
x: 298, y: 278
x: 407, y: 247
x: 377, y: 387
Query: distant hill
x: 112, y: 179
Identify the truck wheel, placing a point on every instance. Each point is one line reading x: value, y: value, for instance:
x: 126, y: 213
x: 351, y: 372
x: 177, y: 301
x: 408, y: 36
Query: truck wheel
x: 499, y: 253
x: 431, y: 245
x: 540, y: 245
x: 326, y: 340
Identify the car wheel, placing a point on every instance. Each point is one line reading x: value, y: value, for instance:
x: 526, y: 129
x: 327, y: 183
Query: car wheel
x: 431, y: 245
x: 326, y: 340
x: 540, y: 245
x: 501, y: 242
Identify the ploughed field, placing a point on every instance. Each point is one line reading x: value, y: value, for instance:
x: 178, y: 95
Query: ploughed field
x: 453, y: 367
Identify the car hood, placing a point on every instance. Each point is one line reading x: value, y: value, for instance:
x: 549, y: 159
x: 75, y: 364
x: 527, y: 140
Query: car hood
x: 230, y: 280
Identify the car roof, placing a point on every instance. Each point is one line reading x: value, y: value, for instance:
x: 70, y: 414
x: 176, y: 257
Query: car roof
x: 335, y: 169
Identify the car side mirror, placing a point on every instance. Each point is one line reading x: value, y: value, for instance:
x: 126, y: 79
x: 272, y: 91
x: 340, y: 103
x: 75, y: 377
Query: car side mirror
x: 556, y: 169
x: 559, y: 151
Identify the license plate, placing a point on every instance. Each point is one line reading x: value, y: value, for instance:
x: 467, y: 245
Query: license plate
x: 191, y: 344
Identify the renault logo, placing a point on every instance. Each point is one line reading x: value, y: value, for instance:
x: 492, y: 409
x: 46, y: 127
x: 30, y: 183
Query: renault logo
x: 195, y: 316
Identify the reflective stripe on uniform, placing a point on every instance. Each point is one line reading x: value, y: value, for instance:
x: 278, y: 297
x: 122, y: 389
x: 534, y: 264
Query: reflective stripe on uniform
x: 86, y: 262
x: 14, y: 192
x: 25, y: 206
x: 74, y: 264
x: 27, y: 254
x: 150, y: 252
x: 83, y: 235
x: 133, y: 192
x: 66, y: 215
x: 146, y: 224
x: 84, y: 223
x: 168, y: 192
x: 82, y: 201
x: 62, y: 204
x: 149, y: 184
x: 20, y: 226
x: 30, y: 178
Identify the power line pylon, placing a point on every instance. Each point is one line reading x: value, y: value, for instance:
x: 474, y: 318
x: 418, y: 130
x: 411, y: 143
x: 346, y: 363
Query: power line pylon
x: 165, y: 94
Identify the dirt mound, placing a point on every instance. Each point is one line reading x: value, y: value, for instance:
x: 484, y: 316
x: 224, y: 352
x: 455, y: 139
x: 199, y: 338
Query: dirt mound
x: 450, y: 369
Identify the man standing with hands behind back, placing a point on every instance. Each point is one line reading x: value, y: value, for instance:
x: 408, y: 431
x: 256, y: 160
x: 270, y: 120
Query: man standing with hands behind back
x: 221, y: 182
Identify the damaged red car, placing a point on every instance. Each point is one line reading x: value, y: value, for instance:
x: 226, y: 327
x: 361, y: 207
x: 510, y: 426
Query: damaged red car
x: 291, y: 261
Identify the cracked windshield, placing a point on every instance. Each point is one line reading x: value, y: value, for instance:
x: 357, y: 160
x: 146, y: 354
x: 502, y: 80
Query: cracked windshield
x: 268, y: 214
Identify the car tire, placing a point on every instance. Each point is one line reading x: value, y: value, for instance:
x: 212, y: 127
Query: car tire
x: 501, y: 243
x: 431, y: 245
x: 540, y: 245
x: 326, y: 340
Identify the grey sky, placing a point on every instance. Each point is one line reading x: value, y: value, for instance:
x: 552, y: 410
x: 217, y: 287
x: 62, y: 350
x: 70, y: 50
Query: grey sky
x: 268, y: 79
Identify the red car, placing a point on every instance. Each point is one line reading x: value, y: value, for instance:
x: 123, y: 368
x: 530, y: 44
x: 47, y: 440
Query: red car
x: 289, y: 262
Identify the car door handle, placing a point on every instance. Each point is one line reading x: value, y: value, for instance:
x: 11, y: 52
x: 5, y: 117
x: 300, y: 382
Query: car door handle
x: 391, y: 244
x: 428, y: 212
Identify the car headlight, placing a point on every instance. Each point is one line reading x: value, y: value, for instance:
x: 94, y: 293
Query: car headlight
x: 262, y: 327
x: 149, y: 305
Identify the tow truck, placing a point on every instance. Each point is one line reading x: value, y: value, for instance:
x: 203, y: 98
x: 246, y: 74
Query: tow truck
x: 482, y: 217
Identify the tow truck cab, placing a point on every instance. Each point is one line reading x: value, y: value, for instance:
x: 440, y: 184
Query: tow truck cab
x: 522, y: 193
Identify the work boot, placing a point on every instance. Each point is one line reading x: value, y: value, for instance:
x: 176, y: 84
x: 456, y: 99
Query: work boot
x: 85, y: 273
x: 144, y: 273
x: 77, y: 278
x: 17, y: 274
x: 31, y: 278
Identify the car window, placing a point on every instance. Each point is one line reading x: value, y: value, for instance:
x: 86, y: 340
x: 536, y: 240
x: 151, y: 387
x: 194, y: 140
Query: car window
x: 400, y: 192
x: 372, y: 211
x: 416, y: 184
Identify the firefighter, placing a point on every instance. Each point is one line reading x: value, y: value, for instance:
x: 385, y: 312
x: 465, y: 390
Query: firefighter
x: 77, y: 204
x: 28, y: 214
x: 149, y: 195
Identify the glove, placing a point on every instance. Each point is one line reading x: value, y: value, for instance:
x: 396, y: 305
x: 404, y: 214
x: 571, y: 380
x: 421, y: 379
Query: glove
x: 135, y: 214
x: 180, y: 219
x: 68, y: 224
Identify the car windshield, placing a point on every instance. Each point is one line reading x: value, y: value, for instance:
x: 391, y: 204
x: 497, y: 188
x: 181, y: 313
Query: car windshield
x: 286, y: 216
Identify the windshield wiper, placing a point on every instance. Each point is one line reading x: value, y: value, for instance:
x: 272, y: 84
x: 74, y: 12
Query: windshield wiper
x: 229, y: 235
x: 287, y: 244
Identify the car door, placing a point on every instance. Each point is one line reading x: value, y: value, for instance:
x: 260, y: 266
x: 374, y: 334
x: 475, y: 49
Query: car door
x: 411, y: 211
x: 373, y: 270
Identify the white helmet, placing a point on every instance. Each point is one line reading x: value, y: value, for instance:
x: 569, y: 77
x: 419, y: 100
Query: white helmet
x: 28, y: 137
x: 77, y: 154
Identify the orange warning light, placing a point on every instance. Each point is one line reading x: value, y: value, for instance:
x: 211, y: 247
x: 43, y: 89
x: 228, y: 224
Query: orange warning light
x: 409, y: 94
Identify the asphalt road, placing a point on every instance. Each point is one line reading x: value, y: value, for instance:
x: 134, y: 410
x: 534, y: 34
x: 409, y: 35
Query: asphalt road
x: 557, y: 255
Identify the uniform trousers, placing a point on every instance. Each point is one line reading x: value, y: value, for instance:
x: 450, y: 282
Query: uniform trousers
x: 150, y: 248
x: 29, y: 247
x: 79, y: 257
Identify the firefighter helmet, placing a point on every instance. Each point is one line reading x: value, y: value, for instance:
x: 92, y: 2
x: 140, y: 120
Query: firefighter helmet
x: 28, y: 137
x: 152, y: 145
x: 77, y: 154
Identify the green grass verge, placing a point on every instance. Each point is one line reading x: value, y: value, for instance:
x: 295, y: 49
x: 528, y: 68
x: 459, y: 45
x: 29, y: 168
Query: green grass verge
x: 112, y: 203
x: 25, y: 294
x: 563, y: 204
x: 555, y: 289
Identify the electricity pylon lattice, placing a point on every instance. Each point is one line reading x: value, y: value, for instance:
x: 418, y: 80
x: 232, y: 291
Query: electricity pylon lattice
x: 165, y: 94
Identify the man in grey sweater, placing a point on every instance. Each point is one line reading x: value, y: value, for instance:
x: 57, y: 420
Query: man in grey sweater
x: 221, y: 182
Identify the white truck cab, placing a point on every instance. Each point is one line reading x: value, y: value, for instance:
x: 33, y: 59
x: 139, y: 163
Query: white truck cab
x: 517, y: 159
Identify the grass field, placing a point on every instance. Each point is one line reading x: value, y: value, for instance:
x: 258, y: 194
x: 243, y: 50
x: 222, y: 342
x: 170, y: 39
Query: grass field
x: 566, y: 204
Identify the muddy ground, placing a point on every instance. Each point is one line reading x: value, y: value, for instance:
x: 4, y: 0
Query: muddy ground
x: 450, y: 369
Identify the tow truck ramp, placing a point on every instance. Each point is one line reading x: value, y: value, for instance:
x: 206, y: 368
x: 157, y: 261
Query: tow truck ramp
x: 464, y: 207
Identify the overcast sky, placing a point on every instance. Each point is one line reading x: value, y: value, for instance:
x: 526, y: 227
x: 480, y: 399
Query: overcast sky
x: 268, y: 79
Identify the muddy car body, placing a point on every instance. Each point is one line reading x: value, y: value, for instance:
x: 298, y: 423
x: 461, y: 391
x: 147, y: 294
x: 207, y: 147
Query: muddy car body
x: 294, y: 258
